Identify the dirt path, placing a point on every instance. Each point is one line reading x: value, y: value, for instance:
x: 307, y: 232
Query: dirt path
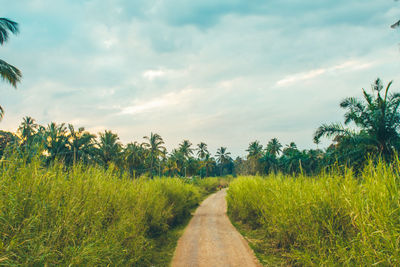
x: 210, y: 240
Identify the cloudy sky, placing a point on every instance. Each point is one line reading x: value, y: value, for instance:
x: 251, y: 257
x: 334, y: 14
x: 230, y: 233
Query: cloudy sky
x: 225, y: 72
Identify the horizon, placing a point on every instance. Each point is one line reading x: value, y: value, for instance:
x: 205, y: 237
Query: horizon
x: 224, y: 73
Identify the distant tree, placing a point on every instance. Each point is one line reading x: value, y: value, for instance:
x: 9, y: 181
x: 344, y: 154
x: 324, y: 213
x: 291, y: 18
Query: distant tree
x: 134, y: 155
x: 155, y: 148
x: 274, y: 147
x: 202, y: 150
x: 27, y: 129
x: 109, y: 148
x: 209, y: 164
x: 186, y: 148
x: 7, y: 139
x: 55, y: 141
x: 81, y: 144
x: 255, y: 152
x: 8, y: 72
x: 223, y: 158
x: 254, y: 149
x: 171, y: 167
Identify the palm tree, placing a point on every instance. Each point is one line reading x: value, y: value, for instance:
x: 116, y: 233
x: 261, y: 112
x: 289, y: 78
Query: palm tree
x: 55, y: 141
x: 134, y: 155
x: 8, y: 72
x: 376, y: 117
x: 171, y: 167
x: 223, y: 157
x: 254, y: 150
x: 80, y: 142
x: 155, y: 148
x: 7, y: 139
x: 185, y: 148
x: 209, y: 163
x: 27, y: 129
x: 274, y: 147
x: 291, y: 160
x: 202, y: 150
x: 108, y: 147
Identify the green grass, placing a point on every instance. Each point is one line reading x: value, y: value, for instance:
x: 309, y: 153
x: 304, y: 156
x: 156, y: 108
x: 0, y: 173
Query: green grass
x: 332, y: 219
x: 87, y: 216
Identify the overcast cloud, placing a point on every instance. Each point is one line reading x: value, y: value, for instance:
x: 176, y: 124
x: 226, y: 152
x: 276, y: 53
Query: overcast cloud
x: 224, y: 72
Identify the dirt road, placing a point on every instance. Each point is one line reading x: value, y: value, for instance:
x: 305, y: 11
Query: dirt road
x: 210, y: 240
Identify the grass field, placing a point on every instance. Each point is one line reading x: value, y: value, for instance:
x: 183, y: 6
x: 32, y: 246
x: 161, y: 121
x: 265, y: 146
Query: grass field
x: 332, y: 219
x: 87, y: 216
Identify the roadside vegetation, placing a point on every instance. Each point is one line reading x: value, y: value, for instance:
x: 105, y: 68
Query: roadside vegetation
x: 87, y: 215
x: 331, y: 219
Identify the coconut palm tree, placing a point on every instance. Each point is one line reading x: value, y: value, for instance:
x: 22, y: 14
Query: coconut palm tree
x: 255, y: 151
x: 134, y: 155
x: 209, y: 164
x: 7, y: 139
x: 81, y: 143
x: 55, y: 141
x: 27, y: 129
x: 186, y: 148
x: 8, y: 72
x: 274, y: 147
x: 171, y: 167
x: 223, y: 157
x: 376, y: 117
x: 202, y: 150
x: 108, y: 148
x: 155, y: 148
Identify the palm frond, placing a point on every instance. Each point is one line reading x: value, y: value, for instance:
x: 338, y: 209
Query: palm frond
x: 1, y: 113
x: 395, y: 25
x: 10, y: 73
x: 7, y: 26
x: 353, y: 103
x: 387, y: 89
x: 329, y: 130
x: 368, y: 97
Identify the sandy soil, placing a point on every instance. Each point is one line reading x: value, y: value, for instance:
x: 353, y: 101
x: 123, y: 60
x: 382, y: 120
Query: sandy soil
x: 210, y: 240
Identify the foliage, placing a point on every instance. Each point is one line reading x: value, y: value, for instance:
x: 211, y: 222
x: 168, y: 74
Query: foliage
x: 85, y: 216
x: 8, y: 72
x: 376, y: 116
x: 331, y: 219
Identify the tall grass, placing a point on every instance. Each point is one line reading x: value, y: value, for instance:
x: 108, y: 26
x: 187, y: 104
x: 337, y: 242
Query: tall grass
x: 332, y: 219
x: 85, y: 216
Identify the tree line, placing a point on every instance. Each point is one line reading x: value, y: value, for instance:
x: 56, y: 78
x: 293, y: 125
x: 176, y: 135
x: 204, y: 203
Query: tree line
x: 370, y: 130
x: 65, y: 143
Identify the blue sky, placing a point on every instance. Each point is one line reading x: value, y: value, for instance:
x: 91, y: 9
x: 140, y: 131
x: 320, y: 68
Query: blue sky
x: 223, y: 72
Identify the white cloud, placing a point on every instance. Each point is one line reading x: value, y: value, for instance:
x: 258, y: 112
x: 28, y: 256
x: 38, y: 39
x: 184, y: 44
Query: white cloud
x: 153, y: 74
x: 350, y: 65
x: 163, y: 102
